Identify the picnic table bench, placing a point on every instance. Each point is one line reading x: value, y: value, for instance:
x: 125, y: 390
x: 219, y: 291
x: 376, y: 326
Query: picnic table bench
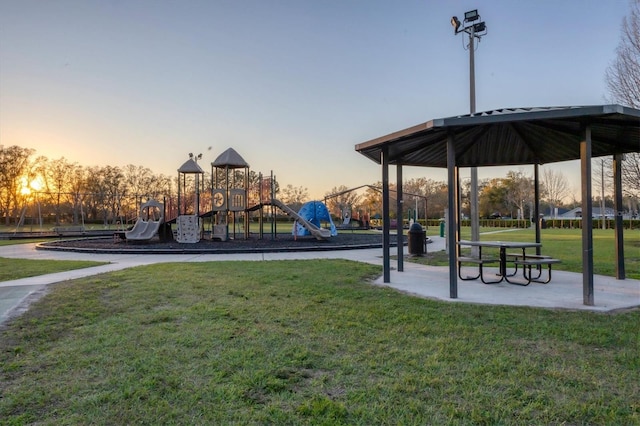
x: 480, y: 262
x: 538, y: 261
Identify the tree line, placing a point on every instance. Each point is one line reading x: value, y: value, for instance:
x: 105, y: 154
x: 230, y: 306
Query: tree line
x: 66, y: 192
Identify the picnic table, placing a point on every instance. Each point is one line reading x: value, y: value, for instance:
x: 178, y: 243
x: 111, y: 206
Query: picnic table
x: 526, y: 261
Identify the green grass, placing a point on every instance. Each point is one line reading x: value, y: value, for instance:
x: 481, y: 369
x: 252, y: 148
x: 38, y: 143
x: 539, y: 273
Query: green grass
x: 21, y: 241
x: 305, y: 342
x: 564, y: 244
x: 13, y: 269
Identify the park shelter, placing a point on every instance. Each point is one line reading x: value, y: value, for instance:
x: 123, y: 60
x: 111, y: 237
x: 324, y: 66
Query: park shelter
x: 512, y: 136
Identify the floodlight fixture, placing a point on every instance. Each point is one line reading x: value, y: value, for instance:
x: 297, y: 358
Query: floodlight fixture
x: 471, y: 16
x: 479, y: 27
x: 455, y: 23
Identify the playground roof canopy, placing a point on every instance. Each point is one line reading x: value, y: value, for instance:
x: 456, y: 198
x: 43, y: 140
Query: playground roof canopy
x: 230, y: 159
x: 190, y: 166
x: 512, y: 136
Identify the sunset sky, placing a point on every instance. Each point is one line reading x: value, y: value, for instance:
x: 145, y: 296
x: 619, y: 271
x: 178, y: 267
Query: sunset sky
x: 291, y: 85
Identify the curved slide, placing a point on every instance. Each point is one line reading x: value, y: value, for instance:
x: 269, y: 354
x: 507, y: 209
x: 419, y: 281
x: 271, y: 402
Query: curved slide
x: 316, y: 231
x: 145, y: 229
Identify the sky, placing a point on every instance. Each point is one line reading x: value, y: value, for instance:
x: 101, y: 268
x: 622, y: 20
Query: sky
x: 291, y: 85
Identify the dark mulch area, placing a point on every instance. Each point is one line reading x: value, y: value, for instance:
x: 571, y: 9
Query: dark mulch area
x: 283, y: 242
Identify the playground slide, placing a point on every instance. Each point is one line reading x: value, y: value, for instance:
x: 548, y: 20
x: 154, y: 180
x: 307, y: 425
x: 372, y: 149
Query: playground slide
x: 145, y: 229
x: 319, y: 233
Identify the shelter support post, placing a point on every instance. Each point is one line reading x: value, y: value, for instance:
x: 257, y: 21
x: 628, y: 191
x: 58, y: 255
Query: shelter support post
x: 536, y: 203
x: 459, y: 213
x: 399, y: 218
x: 474, y: 214
x: 617, y: 184
x: 386, y: 260
x: 587, y: 221
x: 452, y: 226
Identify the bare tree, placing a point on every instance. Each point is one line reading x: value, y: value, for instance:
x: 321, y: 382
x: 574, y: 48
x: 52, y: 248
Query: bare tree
x: 295, y: 196
x: 623, y: 82
x: 342, y: 198
x: 372, y: 200
x: 555, y: 187
x: 57, y: 177
x: 623, y: 75
x: 14, y: 166
x: 631, y: 174
x: 519, y: 192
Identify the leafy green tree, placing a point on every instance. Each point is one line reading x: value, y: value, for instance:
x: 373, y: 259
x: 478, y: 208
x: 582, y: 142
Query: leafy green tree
x: 492, y: 198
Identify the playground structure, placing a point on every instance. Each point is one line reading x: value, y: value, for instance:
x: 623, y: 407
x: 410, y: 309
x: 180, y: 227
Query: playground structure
x: 229, y: 198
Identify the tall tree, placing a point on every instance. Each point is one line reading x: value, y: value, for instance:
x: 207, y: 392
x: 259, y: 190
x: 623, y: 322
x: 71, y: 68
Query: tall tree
x: 631, y: 175
x: 106, y: 186
x: 520, y: 192
x: 341, y: 199
x: 492, y: 198
x: 555, y: 187
x: 295, y: 196
x: 137, y: 182
x: 623, y: 82
x: 372, y: 200
x: 623, y: 75
x: 14, y: 168
x: 57, y: 176
x: 78, y: 193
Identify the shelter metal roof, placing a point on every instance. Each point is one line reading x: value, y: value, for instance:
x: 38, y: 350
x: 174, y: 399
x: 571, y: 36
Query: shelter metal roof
x: 512, y: 136
x: 231, y: 159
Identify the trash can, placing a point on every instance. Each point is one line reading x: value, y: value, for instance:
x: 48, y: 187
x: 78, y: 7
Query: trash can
x: 442, y: 228
x: 417, y: 237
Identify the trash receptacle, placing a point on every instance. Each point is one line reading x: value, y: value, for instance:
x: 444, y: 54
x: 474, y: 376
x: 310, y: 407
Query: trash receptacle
x: 442, y: 228
x: 417, y: 237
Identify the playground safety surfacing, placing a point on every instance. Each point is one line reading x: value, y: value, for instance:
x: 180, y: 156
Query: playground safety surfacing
x: 267, y: 244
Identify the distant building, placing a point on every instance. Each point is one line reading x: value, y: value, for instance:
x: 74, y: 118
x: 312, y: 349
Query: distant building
x: 596, y: 213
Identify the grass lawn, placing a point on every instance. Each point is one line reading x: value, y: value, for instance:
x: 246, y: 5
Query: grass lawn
x: 21, y: 241
x: 305, y: 342
x: 13, y: 269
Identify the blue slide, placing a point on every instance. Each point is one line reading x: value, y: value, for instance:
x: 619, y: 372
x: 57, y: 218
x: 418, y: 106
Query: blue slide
x: 314, y: 212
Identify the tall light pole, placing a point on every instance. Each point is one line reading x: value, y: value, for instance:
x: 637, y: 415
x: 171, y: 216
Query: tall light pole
x: 475, y: 28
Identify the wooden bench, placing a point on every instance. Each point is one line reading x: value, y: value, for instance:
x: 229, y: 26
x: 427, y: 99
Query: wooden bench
x: 539, y: 262
x: 480, y: 262
x: 69, y: 230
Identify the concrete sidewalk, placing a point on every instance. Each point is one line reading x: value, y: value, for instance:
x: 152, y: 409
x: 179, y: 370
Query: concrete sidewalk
x: 564, y: 291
